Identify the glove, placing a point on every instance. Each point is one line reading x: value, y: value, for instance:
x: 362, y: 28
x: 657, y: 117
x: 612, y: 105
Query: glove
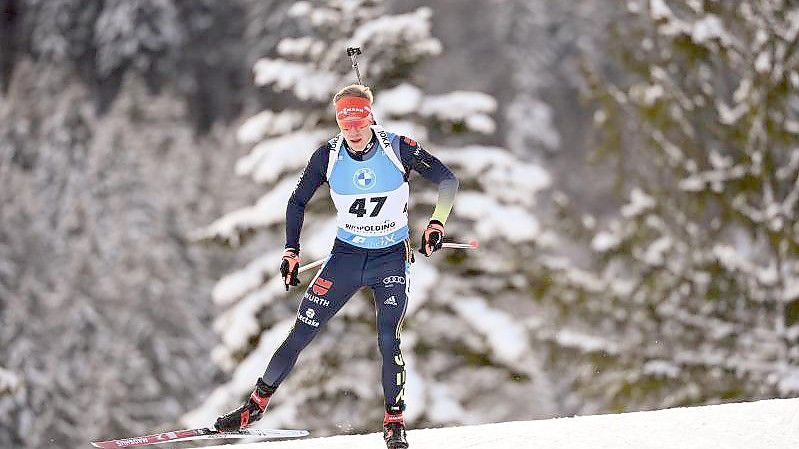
x: 432, y: 238
x: 290, y: 268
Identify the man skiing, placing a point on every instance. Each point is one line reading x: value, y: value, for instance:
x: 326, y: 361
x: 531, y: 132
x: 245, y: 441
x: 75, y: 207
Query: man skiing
x: 367, y: 170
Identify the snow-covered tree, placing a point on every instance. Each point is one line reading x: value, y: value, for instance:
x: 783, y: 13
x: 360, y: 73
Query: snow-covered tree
x: 464, y: 333
x: 8, y: 382
x: 101, y: 325
x: 103, y: 303
x: 695, y: 295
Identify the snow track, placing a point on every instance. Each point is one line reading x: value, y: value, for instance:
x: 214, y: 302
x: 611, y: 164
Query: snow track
x: 770, y: 424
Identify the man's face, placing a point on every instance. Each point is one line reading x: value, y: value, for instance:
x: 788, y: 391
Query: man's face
x: 357, y: 133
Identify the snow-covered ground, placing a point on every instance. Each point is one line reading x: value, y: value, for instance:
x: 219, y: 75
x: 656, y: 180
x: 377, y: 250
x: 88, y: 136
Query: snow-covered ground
x: 772, y: 424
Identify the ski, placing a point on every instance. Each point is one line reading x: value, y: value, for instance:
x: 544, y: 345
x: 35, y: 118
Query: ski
x: 203, y: 433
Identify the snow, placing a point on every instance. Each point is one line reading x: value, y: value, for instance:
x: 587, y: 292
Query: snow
x: 709, y: 27
x: 269, y: 123
x: 284, y: 154
x: 647, y: 94
x: 238, y: 324
x: 305, y: 80
x: 472, y: 108
x: 299, y: 9
x: 770, y: 423
x: 656, y: 251
x: 639, y: 203
x: 409, y: 30
x: 423, y: 282
x: 119, y: 37
x: 763, y: 62
x: 538, y: 119
x: 8, y: 381
x: 237, y: 284
x: 296, y: 48
x: 493, y: 220
x: 731, y: 259
x: 318, y: 239
x: 402, y: 100
x: 728, y: 115
x: 604, y: 241
x: 660, y: 10
x: 661, y: 368
x: 507, y: 338
x: 502, y: 175
x: 587, y: 343
x: 415, y: 388
x: 408, y: 128
x: 789, y: 382
x: 270, y: 209
x: 445, y: 407
x: 791, y: 291
x: 218, y: 402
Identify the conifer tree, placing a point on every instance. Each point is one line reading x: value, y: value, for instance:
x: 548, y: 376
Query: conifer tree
x: 694, y: 296
x: 460, y: 332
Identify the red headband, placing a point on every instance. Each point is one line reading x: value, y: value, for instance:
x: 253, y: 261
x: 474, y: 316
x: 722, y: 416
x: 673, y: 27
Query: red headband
x: 349, y: 109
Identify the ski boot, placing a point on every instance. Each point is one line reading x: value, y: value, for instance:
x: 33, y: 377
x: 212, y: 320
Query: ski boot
x: 394, y: 431
x: 248, y: 413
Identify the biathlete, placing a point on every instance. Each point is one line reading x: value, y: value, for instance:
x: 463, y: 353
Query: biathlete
x: 367, y: 170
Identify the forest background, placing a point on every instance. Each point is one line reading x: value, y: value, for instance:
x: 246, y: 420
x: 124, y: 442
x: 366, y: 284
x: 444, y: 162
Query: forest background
x: 629, y: 167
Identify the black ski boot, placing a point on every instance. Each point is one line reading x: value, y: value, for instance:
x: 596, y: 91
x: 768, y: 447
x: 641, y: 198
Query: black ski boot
x: 394, y: 431
x: 248, y: 413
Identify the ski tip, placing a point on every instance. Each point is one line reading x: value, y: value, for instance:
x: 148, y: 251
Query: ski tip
x: 474, y: 244
x: 269, y: 433
x: 300, y: 434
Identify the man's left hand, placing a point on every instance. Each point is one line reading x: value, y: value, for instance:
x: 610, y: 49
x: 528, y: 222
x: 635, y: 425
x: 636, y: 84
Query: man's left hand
x: 432, y: 238
x: 290, y: 268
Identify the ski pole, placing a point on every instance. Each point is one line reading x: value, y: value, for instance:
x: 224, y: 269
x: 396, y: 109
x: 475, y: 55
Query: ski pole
x: 312, y: 265
x: 353, y: 53
x: 473, y: 244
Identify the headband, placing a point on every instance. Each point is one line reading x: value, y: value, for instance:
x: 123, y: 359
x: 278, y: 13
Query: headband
x: 353, y: 109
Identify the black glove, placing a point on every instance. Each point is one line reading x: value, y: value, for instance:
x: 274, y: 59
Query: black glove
x: 432, y: 238
x: 290, y: 268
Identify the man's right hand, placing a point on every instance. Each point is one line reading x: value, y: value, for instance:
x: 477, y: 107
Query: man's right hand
x: 290, y: 267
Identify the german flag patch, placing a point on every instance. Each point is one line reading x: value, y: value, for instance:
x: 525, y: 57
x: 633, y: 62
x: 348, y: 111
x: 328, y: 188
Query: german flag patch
x: 410, y: 141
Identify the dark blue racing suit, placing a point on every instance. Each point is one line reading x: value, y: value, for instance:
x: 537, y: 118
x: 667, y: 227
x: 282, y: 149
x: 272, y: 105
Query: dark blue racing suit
x: 371, y: 249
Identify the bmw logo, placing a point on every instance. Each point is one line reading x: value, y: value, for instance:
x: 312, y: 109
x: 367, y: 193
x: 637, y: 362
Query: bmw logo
x: 364, y: 178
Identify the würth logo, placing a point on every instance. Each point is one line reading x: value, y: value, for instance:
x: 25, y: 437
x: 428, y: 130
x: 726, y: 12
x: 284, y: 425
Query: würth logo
x: 321, y: 286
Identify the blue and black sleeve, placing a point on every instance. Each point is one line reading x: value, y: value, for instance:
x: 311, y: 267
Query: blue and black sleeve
x: 313, y: 176
x: 414, y: 157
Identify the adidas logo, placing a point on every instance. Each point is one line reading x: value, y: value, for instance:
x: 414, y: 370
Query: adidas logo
x: 392, y: 301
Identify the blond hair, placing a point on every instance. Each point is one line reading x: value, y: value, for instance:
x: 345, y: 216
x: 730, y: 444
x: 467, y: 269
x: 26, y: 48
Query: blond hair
x: 354, y: 90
